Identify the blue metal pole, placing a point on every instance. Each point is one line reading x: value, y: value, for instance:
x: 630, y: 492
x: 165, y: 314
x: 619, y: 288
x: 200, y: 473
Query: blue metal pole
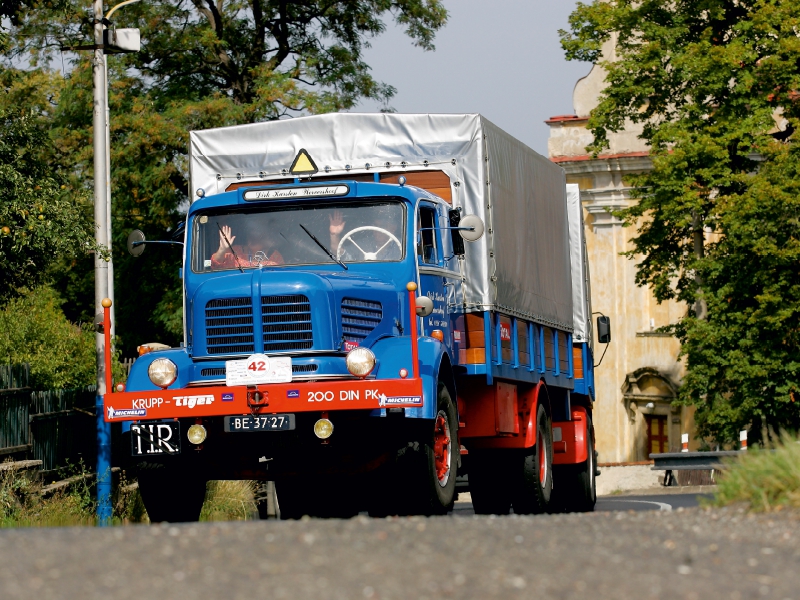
x: 104, y: 508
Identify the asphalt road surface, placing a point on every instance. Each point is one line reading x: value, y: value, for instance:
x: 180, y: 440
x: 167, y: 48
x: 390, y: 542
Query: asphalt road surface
x: 690, y: 553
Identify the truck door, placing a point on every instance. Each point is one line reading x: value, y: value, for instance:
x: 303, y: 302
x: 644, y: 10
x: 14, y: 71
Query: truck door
x: 437, y: 278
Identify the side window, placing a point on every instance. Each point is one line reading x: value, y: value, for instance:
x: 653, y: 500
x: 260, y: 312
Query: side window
x: 428, y: 251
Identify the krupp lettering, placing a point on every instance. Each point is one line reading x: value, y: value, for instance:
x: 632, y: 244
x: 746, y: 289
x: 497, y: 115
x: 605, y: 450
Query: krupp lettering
x: 147, y: 402
x: 125, y: 412
x: 192, y: 401
x: 292, y: 393
x: 227, y: 397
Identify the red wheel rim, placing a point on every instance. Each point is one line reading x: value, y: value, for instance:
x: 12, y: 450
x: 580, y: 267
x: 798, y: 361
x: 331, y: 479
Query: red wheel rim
x: 542, y: 462
x: 441, y: 448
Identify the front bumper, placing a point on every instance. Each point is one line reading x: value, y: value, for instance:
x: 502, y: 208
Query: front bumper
x: 294, y: 397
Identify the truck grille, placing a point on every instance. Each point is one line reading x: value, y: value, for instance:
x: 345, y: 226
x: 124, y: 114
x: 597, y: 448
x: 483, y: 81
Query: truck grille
x: 229, y: 326
x: 286, y: 322
x: 220, y: 371
x: 359, y: 318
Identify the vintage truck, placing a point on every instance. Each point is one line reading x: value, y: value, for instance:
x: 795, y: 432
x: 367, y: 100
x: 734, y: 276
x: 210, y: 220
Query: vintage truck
x: 373, y: 304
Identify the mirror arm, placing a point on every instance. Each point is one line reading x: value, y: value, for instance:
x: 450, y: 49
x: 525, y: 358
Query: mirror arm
x: 135, y: 244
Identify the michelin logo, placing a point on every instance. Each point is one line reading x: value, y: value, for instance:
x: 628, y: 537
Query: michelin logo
x: 122, y: 413
x: 192, y: 401
x: 389, y: 401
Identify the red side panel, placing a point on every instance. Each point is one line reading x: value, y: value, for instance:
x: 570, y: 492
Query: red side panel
x: 571, y: 448
x: 501, y: 416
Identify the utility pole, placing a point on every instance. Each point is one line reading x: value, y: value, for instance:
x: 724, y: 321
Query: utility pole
x: 101, y: 196
x: 124, y: 40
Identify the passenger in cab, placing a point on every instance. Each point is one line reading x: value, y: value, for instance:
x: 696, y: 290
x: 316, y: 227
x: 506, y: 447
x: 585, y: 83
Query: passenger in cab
x: 260, y: 248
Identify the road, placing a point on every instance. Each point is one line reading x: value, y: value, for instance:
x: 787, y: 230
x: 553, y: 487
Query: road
x: 690, y: 553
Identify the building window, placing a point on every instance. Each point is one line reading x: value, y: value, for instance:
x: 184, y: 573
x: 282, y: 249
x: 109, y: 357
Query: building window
x: 657, y: 434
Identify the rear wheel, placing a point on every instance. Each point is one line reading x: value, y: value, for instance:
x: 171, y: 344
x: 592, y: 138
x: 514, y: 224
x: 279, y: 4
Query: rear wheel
x: 533, y: 471
x: 576, y: 489
x: 169, y: 495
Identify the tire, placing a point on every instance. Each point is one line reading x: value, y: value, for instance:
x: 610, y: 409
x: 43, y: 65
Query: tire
x: 576, y: 485
x: 442, y: 455
x: 532, y: 472
x: 424, y: 473
x: 172, y: 496
x: 489, y: 483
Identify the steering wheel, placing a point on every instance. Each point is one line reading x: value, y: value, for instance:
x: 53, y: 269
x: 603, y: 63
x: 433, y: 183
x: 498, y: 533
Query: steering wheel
x: 367, y: 255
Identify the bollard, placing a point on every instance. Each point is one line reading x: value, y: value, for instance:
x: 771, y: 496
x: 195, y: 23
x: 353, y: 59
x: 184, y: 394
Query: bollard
x: 684, y: 442
x: 743, y: 440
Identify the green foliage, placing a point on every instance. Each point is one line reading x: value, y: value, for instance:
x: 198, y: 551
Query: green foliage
x: 230, y: 500
x: 26, y: 501
x: 766, y: 479
x: 42, y: 220
x: 714, y: 84
x: 202, y: 65
x: 35, y: 331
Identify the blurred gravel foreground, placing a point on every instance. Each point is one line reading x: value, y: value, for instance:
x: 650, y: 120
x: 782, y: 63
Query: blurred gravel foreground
x: 693, y: 554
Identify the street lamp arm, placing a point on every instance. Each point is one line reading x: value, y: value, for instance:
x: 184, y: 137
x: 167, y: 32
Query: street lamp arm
x: 120, y: 5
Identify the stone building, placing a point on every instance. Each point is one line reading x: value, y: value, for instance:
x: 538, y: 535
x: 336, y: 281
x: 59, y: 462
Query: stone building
x: 638, y: 377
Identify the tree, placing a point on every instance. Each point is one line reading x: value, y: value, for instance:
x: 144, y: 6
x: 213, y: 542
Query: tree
x: 204, y: 63
x: 714, y: 84
x: 42, y: 219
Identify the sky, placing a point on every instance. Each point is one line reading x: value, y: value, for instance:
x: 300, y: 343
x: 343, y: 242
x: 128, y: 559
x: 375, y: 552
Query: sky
x: 501, y: 58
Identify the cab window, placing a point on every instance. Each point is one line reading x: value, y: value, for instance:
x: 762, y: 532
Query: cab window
x: 428, y: 250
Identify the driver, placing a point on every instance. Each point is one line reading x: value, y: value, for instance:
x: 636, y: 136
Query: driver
x: 370, y: 240
x: 261, y: 248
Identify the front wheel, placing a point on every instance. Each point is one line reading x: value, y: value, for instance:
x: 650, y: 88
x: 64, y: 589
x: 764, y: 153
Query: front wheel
x: 424, y: 473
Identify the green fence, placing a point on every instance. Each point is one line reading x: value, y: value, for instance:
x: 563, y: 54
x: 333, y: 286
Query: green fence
x: 54, y: 426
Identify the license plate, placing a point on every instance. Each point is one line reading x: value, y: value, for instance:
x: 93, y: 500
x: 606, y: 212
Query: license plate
x: 258, y: 368
x: 249, y: 423
x: 148, y: 439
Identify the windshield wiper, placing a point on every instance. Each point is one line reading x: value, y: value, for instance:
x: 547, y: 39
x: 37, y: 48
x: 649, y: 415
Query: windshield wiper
x: 328, y: 252
x: 236, y: 258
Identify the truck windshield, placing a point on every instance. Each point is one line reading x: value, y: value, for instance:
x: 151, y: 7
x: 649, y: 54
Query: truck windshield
x: 252, y: 238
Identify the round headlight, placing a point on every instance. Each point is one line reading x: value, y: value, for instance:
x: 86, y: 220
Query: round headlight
x: 323, y: 429
x: 162, y: 372
x: 360, y: 361
x: 196, y: 434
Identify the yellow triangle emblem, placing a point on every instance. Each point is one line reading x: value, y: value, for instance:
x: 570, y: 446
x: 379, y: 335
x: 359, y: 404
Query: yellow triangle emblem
x: 303, y: 164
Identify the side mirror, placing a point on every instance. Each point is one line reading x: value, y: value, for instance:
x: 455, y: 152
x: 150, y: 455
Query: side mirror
x: 603, y: 329
x: 136, y: 242
x: 471, y: 228
x: 454, y: 216
x: 424, y: 306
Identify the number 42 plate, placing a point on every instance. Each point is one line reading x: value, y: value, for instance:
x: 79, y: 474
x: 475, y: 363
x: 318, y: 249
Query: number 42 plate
x: 258, y: 368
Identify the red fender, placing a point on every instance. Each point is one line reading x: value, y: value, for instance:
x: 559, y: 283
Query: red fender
x: 530, y: 432
x: 572, y: 449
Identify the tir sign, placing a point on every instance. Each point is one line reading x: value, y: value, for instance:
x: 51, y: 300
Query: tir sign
x: 303, y: 164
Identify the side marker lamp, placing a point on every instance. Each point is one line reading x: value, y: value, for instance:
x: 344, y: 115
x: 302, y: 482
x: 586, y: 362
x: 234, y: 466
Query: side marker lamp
x: 323, y: 429
x: 196, y: 434
x: 437, y: 334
